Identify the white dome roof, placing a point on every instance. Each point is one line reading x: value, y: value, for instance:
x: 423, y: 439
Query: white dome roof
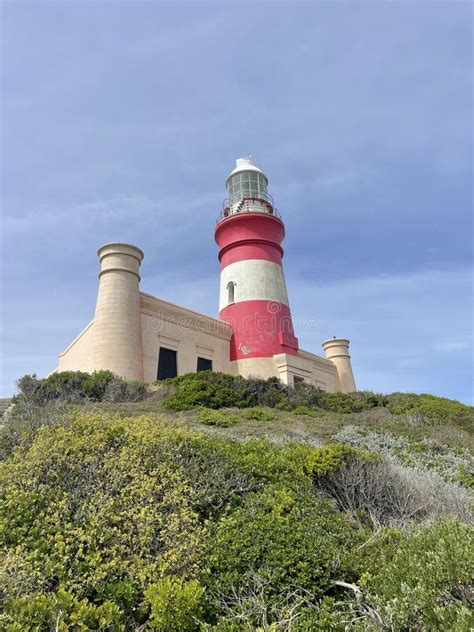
x: 245, y: 164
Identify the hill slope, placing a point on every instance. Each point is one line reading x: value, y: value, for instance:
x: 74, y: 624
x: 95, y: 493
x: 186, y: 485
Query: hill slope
x: 294, y: 516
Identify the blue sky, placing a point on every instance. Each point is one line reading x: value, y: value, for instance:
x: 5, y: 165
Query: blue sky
x: 120, y: 122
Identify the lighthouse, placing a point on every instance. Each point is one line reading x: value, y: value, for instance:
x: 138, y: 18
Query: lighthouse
x: 140, y: 336
x: 253, y: 297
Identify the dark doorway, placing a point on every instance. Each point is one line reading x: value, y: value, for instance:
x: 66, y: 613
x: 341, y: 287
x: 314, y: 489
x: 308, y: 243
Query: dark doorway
x: 204, y: 364
x: 167, y: 365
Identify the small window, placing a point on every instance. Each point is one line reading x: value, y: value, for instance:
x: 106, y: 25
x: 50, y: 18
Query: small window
x: 297, y: 380
x: 203, y: 364
x: 262, y: 184
x: 167, y: 364
x: 230, y: 292
x: 254, y: 189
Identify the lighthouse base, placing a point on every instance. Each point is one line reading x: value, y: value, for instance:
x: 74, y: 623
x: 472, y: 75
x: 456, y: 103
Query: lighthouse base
x: 290, y: 369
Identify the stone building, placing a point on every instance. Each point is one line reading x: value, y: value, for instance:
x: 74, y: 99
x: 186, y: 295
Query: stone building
x: 143, y: 337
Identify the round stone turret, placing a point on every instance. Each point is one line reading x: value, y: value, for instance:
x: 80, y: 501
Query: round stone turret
x: 117, y: 333
x: 337, y: 350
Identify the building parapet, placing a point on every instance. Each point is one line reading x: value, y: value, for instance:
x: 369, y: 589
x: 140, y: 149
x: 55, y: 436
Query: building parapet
x: 187, y: 318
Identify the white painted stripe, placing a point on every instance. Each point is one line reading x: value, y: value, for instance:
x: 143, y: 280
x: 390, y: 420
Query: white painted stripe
x: 254, y: 279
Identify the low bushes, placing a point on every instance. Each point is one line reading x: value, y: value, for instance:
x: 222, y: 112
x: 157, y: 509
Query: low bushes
x: 306, y: 410
x: 422, y: 583
x: 113, y: 523
x: 134, y: 523
x: 219, y: 390
x: 434, y: 409
x: 45, y: 402
x: 77, y: 386
x: 223, y: 418
x: 59, y: 611
x: 24, y: 422
x: 175, y: 605
x: 289, y: 538
x: 384, y: 492
x: 212, y: 390
x: 258, y: 414
x: 428, y: 584
x: 452, y: 464
x: 212, y: 417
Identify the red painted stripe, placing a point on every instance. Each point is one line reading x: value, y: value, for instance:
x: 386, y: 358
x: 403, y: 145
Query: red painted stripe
x: 260, y: 329
x: 260, y: 232
x: 250, y: 250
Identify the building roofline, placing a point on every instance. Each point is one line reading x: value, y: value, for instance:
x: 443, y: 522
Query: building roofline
x: 188, y: 317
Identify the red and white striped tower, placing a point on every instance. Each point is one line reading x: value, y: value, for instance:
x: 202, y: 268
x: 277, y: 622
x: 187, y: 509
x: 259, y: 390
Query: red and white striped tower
x: 253, y: 296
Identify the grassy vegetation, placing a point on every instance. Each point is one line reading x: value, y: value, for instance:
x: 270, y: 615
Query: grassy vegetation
x: 78, y: 386
x: 223, y: 504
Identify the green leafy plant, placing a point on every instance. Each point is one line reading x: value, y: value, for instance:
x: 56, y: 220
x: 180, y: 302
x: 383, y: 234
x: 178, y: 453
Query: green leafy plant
x: 434, y: 409
x: 59, y: 611
x: 212, y: 417
x: 306, y: 410
x: 428, y: 583
x: 219, y: 390
x: 259, y: 414
x: 121, y: 523
x: 175, y: 604
x: 76, y: 387
x: 212, y: 390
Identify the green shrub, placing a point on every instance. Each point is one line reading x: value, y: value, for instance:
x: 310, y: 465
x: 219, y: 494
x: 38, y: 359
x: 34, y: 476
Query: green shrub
x: 385, y: 492
x: 209, y: 389
x: 95, y: 384
x: 466, y: 476
x: 305, y: 410
x: 105, y: 506
x: 345, y: 402
x: 175, y: 604
x: 76, y: 387
x: 212, y: 417
x: 310, y: 462
x: 59, y: 611
x: 438, y: 410
x: 133, y: 523
x: 285, y: 405
x: 219, y: 390
x: 259, y: 414
x: 428, y: 583
x: 279, y: 538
